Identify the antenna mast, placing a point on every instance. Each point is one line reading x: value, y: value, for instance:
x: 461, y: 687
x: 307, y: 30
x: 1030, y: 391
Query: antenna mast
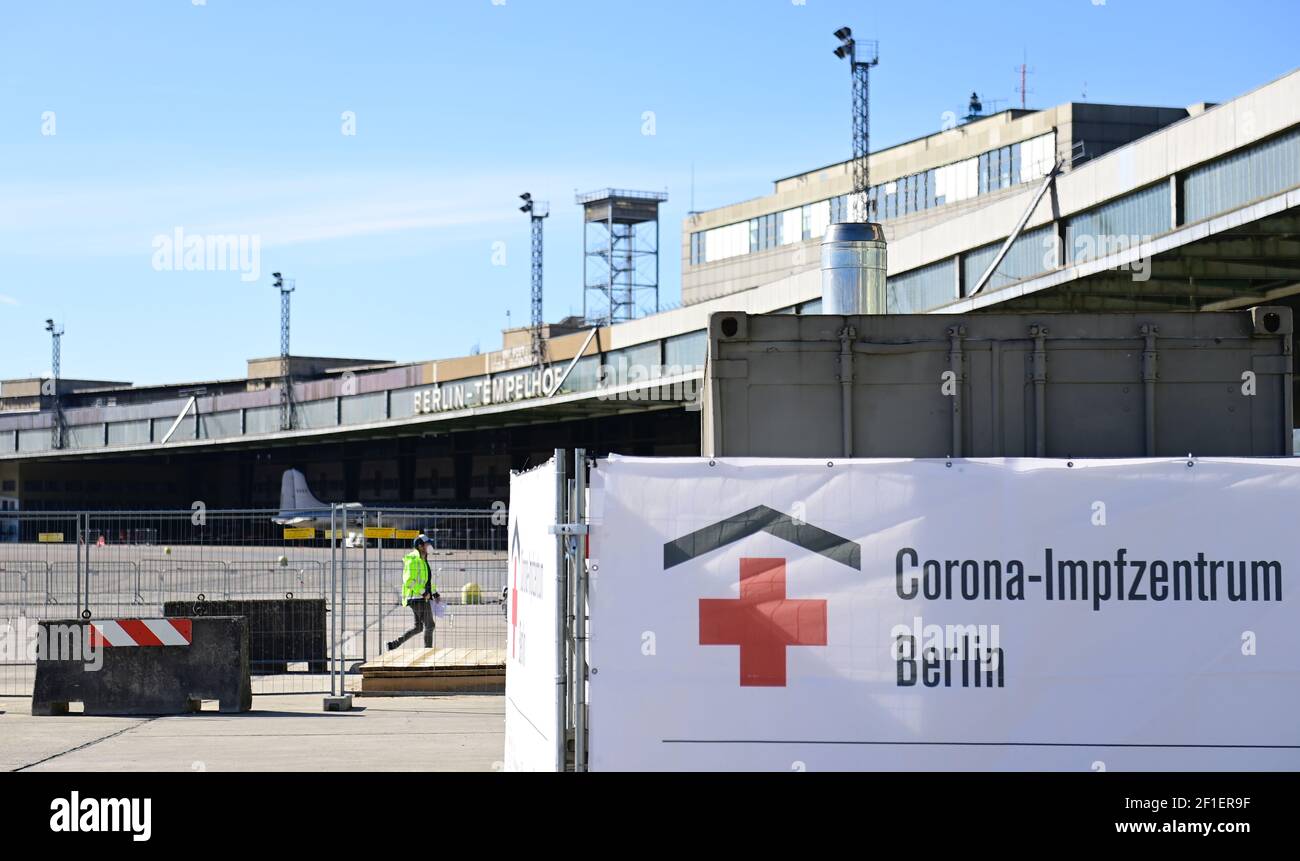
x: 1024, y: 71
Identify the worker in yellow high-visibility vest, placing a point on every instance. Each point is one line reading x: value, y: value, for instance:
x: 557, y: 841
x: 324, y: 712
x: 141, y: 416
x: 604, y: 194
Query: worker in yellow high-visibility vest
x: 418, y: 591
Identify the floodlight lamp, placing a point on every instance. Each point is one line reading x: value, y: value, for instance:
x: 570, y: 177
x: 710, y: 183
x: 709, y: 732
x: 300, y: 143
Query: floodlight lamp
x: 843, y: 33
x: 841, y: 52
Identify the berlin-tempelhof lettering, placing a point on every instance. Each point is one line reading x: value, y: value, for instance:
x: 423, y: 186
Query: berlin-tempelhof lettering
x: 622, y: 381
x: 503, y: 388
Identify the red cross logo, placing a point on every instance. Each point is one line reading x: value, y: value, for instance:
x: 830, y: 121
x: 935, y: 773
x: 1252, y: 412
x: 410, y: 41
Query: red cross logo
x: 763, y: 622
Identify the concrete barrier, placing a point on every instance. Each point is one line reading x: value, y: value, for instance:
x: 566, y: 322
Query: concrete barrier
x: 142, y: 666
x: 281, y: 631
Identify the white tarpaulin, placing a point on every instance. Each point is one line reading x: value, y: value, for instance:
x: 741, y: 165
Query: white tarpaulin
x: 531, y: 691
x: 926, y: 614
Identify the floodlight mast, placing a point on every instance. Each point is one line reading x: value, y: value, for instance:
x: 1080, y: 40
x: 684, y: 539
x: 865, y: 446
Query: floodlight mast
x: 286, y: 382
x: 58, y: 431
x: 536, y: 211
x: 860, y: 70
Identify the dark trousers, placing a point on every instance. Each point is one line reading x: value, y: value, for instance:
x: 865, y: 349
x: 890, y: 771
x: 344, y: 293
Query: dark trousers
x: 422, y: 609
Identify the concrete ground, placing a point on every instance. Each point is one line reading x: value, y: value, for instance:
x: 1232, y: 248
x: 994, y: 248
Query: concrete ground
x: 286, y: 732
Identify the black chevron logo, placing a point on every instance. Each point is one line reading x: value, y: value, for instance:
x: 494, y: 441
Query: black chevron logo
x: 762, y: 519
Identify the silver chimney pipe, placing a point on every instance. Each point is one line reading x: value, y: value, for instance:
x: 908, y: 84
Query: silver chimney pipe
x: 853, y: 269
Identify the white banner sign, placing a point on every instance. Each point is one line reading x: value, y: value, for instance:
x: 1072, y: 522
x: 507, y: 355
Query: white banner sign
x: 531, y: 691
x: 926, y: 614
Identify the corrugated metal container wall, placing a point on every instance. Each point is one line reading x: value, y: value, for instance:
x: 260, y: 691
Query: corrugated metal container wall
x: 990, y: 385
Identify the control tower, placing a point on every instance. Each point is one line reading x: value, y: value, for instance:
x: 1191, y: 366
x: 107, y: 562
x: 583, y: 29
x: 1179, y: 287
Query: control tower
x: 620, y: 254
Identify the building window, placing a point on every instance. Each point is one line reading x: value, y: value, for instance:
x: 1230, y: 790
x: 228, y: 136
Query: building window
x: 697, y: 248
x: 994, y: 170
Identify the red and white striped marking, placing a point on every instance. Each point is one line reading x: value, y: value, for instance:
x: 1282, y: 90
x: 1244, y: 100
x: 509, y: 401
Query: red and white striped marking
x: 142, y: 632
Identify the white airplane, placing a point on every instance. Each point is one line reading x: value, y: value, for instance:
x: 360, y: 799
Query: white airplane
x: 300, y: 507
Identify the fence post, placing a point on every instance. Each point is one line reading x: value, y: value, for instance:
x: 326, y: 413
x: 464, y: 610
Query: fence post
x: 77, y: 530
x: 580, y: 633
x: 81, y: 536
x: 571, y: 619
x: 343, y: 594
x: 365, y: 593
x: 339, y: 699
x: 334, y: 602
x: 561, y: 639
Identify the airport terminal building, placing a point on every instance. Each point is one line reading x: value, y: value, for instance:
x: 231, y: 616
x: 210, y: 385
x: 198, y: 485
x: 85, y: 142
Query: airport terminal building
x: 1080, y: 207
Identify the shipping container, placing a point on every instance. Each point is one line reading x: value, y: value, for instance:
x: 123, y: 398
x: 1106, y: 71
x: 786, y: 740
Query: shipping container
x: 999, y: 385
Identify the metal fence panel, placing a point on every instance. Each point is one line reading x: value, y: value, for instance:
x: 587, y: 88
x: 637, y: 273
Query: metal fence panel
x: 295, y: 579
x: 34, y: 585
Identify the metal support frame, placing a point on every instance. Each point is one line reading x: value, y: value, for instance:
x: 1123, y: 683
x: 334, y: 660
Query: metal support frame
x: 1148, y: 332
x: 571, y: 531
x: 194, y: 399
x: 1019, y: 228
x: 578, y: 554
x: 573, y: 364
x: 616, y: 232
x: 1039, y: 334
x: 955, y: 336
x: 847, y: 335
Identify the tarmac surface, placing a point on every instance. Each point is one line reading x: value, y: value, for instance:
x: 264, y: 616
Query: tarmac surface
x: 287, y: 732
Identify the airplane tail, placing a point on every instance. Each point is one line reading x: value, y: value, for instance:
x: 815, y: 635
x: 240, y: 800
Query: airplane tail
x: 295, y: 495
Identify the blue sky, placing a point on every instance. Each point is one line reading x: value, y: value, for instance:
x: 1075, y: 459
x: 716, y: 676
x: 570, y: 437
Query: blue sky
x: 226, y: 118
